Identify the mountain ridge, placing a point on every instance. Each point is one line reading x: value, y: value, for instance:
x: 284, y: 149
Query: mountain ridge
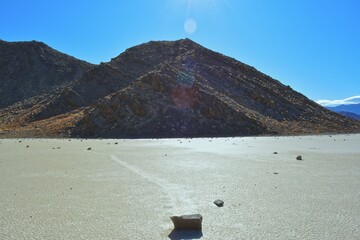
x: 171, y: 89
x: 349, y: 110
x: 354, y: 108
x: 350, y: 115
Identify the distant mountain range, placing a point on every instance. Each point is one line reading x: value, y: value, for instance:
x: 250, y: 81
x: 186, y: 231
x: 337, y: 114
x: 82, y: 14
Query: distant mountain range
x: 350, y: 110
x: 156, y: 89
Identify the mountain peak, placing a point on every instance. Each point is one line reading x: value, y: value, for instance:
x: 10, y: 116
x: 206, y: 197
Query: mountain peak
x: 156, y: 50
x: 187, y: 41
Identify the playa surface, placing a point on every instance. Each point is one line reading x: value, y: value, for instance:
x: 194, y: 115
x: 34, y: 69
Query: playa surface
x: 128, y: 189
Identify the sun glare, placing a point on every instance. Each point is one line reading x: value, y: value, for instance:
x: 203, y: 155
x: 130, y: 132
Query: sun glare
x: 197, y: 9
x: 190, y: 26
x: 199, y: 3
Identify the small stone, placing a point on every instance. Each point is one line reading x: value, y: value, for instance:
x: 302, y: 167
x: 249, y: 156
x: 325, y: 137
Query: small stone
x: 219, y: 203
x: 27, y: 146
x: 89, y: 148
x: 276, y: 173
x: 116, y: 143
x: 187, y: 222
x: 275, y: 152
x: 299, y: 158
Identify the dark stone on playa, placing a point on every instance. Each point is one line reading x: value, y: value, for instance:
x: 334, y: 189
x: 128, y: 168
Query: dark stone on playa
x: 187, y: 222
x: 89, y: 148
x: 299, y: 158
x: 275, y: 152
x: 219, y: 203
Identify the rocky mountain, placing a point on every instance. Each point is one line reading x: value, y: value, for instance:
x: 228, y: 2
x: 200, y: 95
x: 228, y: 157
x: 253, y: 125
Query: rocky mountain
x: 29, y: 69
x: 170, y: 89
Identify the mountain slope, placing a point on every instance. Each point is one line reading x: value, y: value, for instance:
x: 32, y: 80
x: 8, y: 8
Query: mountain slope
x: 114, y: 75
x: 171, y: 89
x: 28, y: 69
x: 158, y: 106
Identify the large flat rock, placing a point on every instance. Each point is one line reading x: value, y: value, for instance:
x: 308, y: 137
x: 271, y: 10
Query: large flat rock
x: 187, y: 222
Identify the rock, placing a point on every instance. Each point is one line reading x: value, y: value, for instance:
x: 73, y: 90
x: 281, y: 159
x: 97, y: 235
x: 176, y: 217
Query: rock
x: 275, y: 152
x: 276, y: 173
x: 299, y: 158
x: 89, y: 148
x: 187, y: 222
x: 219, y: 203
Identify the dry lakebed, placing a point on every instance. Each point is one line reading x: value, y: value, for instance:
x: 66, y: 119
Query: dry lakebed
x: 129, y: 189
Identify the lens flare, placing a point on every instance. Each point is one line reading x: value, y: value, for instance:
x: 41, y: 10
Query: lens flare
x: 190, y: 26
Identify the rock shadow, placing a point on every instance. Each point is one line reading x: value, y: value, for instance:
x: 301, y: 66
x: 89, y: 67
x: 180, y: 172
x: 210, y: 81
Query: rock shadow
x: 185, y: 234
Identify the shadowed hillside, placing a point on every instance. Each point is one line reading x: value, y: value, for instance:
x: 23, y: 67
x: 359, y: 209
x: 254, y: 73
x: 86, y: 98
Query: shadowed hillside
x: 29, y: 69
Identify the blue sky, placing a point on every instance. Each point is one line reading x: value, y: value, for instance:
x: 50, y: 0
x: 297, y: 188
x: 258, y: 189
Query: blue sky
x: 311, y: 45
